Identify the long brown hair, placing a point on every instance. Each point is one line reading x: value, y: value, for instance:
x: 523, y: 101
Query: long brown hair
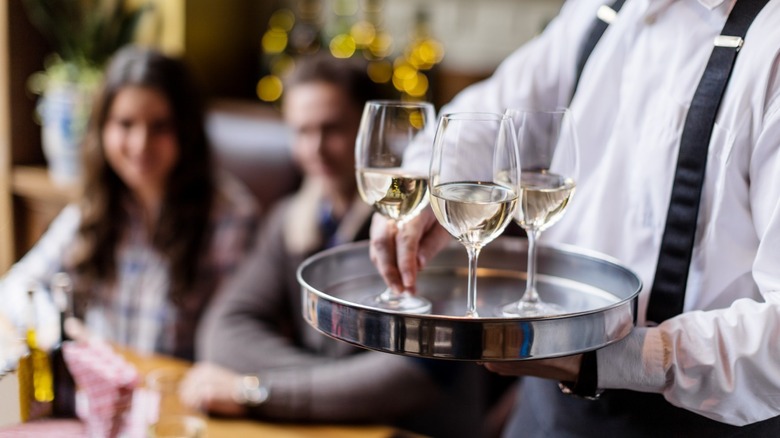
x: 179, y: 234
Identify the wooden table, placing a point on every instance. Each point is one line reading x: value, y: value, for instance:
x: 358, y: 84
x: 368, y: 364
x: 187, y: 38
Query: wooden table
x: 239, y: 428
x: 216, y: 427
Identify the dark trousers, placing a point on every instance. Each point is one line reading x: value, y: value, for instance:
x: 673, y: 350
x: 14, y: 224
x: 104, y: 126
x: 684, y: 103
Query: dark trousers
x: 543, y: 411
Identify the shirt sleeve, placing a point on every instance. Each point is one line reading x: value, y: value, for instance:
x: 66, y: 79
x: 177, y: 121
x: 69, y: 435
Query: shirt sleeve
x: 515, y: 84
x: 35, y: 270
x: 719, y: 363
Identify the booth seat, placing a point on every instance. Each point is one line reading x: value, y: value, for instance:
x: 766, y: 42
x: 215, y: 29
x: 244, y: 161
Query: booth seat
x: 251, y: 141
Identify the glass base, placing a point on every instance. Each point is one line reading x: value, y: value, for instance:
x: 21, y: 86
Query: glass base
x: 401, y: 303
x: 525, y: 309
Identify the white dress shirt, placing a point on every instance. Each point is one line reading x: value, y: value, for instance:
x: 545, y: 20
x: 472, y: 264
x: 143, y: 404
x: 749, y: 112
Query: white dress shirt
x: 721, y: 357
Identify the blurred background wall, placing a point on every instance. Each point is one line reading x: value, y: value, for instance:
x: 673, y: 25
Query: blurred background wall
x: 225, y: 41
x: 239, y: 50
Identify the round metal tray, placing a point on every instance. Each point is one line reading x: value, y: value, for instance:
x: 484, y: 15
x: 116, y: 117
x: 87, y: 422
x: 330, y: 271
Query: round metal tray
x: 598, y: 294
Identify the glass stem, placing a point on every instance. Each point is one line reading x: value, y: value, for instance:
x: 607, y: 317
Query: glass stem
x: 471, y: 296
x: 390, y: 296
x: 531, y: 296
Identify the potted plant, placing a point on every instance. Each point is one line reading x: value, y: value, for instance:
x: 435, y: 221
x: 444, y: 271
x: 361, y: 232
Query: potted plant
x: 83, y: 34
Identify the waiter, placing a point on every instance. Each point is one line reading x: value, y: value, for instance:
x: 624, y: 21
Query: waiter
x: 677, y: 104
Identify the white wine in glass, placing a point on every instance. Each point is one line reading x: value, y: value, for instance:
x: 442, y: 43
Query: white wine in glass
x: 475, y: 213
x: 393, y: 193
x: 387, y: 129
x: 548, y: 146
x: 475, y: 174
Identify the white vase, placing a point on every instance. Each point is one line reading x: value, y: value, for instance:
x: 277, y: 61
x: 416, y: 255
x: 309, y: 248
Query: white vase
x: 64, y: 111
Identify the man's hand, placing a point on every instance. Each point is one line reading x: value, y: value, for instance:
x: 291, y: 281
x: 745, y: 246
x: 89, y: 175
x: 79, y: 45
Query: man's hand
x: 211, y: 388
x: 563, y: 369
x: 398, y: 253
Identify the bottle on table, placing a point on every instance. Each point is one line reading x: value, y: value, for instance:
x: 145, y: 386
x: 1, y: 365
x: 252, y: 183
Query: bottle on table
x: 64, y: 403
x: 36, y: 391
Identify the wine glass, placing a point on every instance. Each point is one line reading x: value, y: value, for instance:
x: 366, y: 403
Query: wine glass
x: 547, y: 141
x: 475, y: 177
x: 387, y: 129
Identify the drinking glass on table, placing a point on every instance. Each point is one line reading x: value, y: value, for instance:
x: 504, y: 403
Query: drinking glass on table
x: 387, y: 129
x: 182, y: 426
x: 168, y: 416
x: 475, y: 179
x: 549, y: 152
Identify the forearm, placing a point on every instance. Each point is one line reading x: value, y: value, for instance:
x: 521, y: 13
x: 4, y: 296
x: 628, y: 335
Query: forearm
x: 721, y: 364
x: 247, y: 345
x: 368, y: 386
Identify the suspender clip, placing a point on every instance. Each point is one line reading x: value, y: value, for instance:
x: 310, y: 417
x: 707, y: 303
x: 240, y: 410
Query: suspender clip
x: 733, y: 42
x: 606, y: 14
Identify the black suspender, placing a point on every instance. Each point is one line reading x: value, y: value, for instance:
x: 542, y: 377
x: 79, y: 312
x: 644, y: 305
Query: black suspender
x: 668, y: 294
x: 605, y: 15
x: 671, y: 276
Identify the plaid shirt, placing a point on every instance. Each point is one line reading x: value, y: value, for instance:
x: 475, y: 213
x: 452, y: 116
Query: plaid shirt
x: 135, y: 310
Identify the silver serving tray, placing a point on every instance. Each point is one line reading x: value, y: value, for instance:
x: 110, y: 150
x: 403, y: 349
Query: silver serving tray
x: 598, y: 294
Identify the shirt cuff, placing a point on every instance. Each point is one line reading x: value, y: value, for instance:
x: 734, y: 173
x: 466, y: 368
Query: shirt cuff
x: 636, y: 362
x: 772, y: 297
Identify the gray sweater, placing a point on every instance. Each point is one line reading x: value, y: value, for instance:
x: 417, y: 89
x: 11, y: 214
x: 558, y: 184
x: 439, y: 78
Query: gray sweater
x: 256, y: 326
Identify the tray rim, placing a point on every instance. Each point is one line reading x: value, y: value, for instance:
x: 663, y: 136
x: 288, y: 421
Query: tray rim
x: 481, y: 339
x: 558, y: 247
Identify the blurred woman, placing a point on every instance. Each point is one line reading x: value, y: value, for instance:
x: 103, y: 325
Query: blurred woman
x: 157, y: 229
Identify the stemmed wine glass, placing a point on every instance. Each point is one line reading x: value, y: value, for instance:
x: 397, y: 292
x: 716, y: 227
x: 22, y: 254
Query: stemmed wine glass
x: 547, y: 141
x: 475, y: 176
x: 387, y: 129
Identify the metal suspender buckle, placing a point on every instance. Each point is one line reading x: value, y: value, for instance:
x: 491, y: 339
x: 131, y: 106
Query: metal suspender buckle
x: 734, y: 42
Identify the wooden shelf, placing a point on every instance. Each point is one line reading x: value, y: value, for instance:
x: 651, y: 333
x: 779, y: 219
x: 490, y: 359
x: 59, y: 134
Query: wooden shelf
x: 36, y: 202
x: 33, y: 182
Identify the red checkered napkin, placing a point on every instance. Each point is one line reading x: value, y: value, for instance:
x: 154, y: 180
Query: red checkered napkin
x: 46, y: 428
x: 107, y: 380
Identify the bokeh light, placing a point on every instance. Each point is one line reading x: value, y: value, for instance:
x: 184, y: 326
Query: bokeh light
x: 358, y: 30
x: 283, y: 19
x: 345, y: 8
x: 416, y: 119
x: 274, y: 40
x: 342, y: 46
x: 382, y: 45
x: 282, y: 64
x: 363, y: 33
x: 403, y: 70
x: 269, y: 88
x: 417, y: 87
x: 380, y: 71
x: 425, y: 54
